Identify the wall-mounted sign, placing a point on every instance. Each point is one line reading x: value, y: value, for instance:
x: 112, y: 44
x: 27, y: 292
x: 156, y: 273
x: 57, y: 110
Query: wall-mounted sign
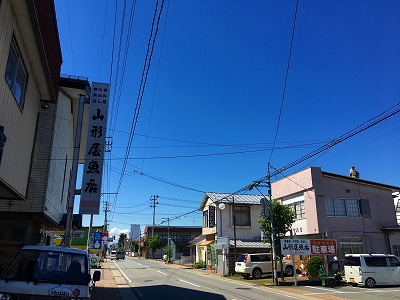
x: 95, y: 146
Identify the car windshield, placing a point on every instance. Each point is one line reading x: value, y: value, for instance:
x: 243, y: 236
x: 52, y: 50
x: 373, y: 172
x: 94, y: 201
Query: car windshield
x: 48, y: 266
x: 240, y: 258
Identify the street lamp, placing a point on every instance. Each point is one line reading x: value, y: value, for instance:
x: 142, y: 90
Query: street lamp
x: 221, y: 207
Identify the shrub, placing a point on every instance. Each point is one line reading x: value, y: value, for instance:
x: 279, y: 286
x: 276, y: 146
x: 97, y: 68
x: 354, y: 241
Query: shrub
x: 313, y: 265
x: 199, y: 265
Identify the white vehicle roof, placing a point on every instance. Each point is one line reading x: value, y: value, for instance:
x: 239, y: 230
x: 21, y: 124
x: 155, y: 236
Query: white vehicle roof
x: 55, y: 249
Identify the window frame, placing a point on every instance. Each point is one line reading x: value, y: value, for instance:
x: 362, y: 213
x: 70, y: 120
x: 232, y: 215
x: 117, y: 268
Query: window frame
x: 240, y: 210
x: 13, y: 72
x: 348, y: 207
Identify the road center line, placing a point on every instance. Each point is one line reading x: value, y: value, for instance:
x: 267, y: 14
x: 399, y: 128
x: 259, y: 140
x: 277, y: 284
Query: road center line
x: 189, y: 283
x: 122, y: 272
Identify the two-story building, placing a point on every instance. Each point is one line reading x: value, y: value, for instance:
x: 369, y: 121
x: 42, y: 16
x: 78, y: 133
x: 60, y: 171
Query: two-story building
x: 359, y: 214
x: 230, y: 225
x: 179, y: 235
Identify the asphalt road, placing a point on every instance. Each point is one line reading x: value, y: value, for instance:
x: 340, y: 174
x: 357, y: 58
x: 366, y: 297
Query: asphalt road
x: 155, y: 280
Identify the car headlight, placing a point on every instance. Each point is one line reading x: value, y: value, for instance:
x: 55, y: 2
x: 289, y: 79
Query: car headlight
x: 4, y: 296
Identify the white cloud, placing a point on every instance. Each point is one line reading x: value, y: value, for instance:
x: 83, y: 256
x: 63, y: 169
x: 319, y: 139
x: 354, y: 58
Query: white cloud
x: 116, y: 232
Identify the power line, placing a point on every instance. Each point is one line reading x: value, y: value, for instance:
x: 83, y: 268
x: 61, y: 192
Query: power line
x: 395, y: 109
x: 146, y: 68
x: 286, y: 78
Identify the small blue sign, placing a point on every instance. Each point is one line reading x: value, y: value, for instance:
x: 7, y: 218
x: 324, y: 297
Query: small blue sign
x: 97, y: 237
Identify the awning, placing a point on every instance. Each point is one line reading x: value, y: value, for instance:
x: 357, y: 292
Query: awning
x: 205, y: 243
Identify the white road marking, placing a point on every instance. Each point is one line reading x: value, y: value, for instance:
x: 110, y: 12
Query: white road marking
x: 122, y: 272
x: 189, y: 283
x: 162, y: 273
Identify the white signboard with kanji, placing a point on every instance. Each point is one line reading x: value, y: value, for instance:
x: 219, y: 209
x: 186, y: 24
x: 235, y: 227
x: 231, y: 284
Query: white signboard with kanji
x: 295, y: 246
x: 95, y: 146
x: 308, y: 247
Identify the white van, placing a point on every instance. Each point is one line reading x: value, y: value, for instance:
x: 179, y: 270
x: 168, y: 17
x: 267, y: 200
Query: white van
x: 46, y: 271
x: 372, y: 269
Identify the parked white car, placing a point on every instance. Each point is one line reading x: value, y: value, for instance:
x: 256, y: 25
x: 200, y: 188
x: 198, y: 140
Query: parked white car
x: 256, y: 264
x: 371, y: 269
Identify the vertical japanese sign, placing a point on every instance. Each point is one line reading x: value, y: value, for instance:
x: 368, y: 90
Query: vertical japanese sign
x: 211, y: 216
x: 95, y: 147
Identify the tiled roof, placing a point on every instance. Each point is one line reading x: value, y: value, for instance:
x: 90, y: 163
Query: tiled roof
x: 249, y: 244
x: 239, y: 199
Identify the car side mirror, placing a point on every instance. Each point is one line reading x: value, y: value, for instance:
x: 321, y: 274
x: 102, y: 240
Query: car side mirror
x: 96, y: 276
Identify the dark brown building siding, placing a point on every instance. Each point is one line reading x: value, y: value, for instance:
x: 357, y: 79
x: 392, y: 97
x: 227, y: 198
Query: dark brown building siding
x: 45, y: 15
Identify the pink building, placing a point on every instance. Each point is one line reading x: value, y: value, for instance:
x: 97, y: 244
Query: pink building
x: 359, y: 214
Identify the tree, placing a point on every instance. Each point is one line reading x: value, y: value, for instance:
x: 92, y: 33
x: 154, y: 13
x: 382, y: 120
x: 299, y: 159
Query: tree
x: 121, y: 241
x: 283, y: 219
x: 154, y: 243
x: 135, y: 246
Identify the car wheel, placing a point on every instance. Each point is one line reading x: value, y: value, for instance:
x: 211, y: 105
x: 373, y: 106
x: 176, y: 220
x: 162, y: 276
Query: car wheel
x: 289, y: 271
x: 369, y: 282
x: 257, y: 273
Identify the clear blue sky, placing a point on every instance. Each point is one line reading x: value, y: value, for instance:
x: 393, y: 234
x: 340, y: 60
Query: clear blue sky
x: 211, y: 104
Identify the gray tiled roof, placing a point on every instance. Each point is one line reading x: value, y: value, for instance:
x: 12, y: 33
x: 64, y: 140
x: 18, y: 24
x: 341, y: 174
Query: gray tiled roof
x: 239, y: 199
x: 249, y: 244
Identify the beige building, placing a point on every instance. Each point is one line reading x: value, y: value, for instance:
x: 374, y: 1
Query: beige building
x: 37, y: 124
x: 357, y: 213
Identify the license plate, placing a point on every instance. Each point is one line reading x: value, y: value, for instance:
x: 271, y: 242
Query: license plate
x: 239, y: 264
x: 351, y: 279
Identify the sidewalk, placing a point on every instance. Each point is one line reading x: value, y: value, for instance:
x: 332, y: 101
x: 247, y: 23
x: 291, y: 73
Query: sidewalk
x: 112, y: 285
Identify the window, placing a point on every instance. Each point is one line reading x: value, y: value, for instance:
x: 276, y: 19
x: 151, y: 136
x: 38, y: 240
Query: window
x: 351, y: 245
x: 375, y: 261
x: 16, y: 75
x: 393, y: 262
x: 205, y: 219
x: 396, y: 250
x: 353, y: 208
x: 242, y: 215
x: 299, y: 210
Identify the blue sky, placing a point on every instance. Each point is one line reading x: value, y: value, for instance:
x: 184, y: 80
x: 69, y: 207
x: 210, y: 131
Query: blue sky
x: 210, y: 109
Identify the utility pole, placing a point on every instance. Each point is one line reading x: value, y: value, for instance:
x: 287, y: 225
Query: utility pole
x: 272, y: 228
x: 106, y: 210
x: 74, y: 171
x: 153, y: 198
x: 234, y: 227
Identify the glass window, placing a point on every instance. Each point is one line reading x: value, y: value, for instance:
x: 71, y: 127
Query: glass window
x: 299, y: 210
x: 353, y: 209
x: 340, y: 207
x: 375, y: 261
x: 16, y: 75
x: 205, y: 219
x: 394, y: 262
x: 242, y: 216
x: 330, y: 207
x: 396, y: 250
x: 351, y: 245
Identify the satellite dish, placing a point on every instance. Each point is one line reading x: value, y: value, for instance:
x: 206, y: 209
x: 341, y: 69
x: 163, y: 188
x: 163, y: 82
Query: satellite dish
x: 221, y: 206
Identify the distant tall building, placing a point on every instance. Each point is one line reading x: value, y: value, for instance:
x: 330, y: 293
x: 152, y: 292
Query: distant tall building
x: 135, y: 232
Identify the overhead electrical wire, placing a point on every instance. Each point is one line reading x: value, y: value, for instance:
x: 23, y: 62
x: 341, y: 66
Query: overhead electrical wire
x: 156, y: 83
x: 285, y: 83
x: 395, y: 109
x: 145, y: 72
